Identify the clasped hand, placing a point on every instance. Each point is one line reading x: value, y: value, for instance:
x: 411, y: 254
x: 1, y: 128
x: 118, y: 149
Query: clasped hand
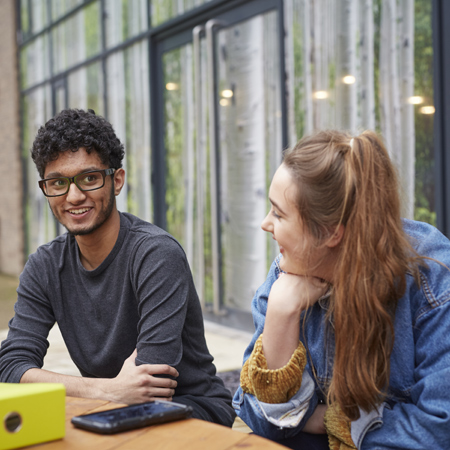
x: 137, y: 384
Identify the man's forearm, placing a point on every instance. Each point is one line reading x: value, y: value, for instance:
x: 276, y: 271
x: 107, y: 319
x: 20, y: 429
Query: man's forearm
x: 75, y: 386
x: 134, y: 384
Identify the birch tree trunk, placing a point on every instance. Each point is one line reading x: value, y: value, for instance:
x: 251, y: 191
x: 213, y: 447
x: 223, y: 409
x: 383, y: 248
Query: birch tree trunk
x: 272, y: 114
x: 318, y: 60
x: 116, y: 111
x: 290, y: 70
x: 367, y: 66
x: 189, y: 159
x: 346, y: 100
x: 389, y: 82
x: 244, y: 196
x: 139, y: 135
x: 307, y: 78
x: 407, y: 109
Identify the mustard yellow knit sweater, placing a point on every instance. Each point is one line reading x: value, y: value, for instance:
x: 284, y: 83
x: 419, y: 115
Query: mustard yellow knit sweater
x: 279, y: 385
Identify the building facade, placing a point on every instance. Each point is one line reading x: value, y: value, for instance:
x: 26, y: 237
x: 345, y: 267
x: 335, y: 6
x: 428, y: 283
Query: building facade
x: 205, y: 95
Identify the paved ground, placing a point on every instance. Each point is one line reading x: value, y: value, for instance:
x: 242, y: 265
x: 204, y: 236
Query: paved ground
x: 225, y: 344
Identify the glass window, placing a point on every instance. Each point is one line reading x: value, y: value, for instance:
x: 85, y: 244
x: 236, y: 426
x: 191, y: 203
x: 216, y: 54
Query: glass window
x: 124, y: 20
x: 61, y: 7
x: 129, y: 112
x: 39, y: 15
x: 39, y: 223
x: 24, y: 18
x: 163, y: 10
x: 77, y: 39
x: 368, y: 66
x: 424, y: 113
x: 34, y: 62
x: 85, y: 88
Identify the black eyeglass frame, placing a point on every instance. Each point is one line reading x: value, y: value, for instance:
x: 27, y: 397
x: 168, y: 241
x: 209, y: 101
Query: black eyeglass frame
x: 104, y: 172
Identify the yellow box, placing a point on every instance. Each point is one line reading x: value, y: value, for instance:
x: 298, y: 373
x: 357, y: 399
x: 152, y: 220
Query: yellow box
x: 31, y: 414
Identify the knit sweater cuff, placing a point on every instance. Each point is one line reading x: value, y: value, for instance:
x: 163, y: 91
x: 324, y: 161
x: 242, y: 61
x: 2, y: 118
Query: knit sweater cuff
x: 273, y: 386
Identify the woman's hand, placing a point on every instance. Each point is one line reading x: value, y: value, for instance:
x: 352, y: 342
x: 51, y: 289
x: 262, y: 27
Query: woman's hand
x: 295, y: 293
x: 289, y: 296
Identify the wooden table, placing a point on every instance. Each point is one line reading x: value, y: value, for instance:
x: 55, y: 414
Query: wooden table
x: 190, y: 434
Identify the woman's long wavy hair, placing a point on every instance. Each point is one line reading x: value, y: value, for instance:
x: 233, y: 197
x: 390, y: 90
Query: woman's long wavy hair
x: 352, y: 182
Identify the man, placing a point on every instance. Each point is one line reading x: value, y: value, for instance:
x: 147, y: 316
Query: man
x: 119, y: 288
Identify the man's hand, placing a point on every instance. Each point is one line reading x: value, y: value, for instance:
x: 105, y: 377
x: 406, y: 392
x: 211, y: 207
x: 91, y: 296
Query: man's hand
x: 137, y: 384
x: 133, y: 384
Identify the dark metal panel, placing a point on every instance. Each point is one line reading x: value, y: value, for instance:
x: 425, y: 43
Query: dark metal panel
x: 441, y: 69
x: 104, y: 71
x: 157, y: 134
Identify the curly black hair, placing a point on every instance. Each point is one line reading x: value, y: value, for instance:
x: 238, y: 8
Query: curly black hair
x: 72, y: 129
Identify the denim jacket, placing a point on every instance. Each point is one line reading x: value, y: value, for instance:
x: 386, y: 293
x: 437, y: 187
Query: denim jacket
x: 416, y: 411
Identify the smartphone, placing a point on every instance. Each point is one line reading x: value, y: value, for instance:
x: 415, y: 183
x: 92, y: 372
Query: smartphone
x: 131, y: 417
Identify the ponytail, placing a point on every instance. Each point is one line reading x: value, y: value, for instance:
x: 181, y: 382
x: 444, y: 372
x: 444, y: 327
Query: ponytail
x: 354, y: 183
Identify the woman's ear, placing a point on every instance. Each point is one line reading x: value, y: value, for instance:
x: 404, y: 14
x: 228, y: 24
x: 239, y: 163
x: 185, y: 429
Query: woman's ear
x: 336, y: 236
x: 119, y: 181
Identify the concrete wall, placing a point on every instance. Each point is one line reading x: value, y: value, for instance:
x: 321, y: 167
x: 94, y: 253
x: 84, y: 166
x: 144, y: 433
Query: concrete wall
x: 11, y: 191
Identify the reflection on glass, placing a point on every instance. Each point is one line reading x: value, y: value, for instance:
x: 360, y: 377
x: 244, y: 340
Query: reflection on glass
x: 177, y: 66
x: 77, y: 38
x: 129, y: 112
x: 24, y: 19
x: 124, y: 20
x: 163, y: 10
x: 423, y: 123
x: 250, y: 150
x: 39, y: 222
x: 86, y: 88
x: 61, y: 7
x: 181, y: 162
x: 416, y: 100
x: 34, y: 62
x: 349, y: 79
x: 346, y: 69
x: 249, y: 121
x: 39, y: 15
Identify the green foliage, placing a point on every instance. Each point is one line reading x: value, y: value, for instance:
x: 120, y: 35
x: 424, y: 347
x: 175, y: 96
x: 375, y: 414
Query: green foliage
x: 92, y: 29
x: 94, y: 88
x: 126, y: 32
x: 299, y: 85
x: 174, y: 119
x: 424, y: 215
x: 162, y: 10
x: 24, y: 18
x: 376, y: 60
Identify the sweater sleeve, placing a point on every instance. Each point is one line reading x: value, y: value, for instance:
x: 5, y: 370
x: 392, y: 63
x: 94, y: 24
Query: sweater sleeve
x: 26, y: 344
x: 273, y: 386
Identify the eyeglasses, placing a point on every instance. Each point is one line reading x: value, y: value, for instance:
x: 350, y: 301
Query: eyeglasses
x: 86, y: 181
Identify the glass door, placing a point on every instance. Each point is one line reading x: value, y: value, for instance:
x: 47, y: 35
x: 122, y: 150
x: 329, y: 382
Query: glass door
x: 223, y: 134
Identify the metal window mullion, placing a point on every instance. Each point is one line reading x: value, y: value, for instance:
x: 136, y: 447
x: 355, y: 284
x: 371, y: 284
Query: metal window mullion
x: 157, y: 135
x: 103, y: 57
x: 56, y: 22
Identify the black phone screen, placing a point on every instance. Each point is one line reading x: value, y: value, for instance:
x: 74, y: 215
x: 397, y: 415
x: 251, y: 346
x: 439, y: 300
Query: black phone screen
x: 133, y: 416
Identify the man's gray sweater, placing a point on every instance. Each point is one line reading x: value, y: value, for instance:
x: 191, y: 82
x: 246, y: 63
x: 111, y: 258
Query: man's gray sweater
x: 141, y: 296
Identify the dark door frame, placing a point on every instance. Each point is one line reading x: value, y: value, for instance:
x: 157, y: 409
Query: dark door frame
x: 178, y: 32
x: 441, y: 82
x: 233, y: 12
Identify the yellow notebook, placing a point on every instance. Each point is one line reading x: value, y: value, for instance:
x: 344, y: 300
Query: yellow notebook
x: 31, y: 414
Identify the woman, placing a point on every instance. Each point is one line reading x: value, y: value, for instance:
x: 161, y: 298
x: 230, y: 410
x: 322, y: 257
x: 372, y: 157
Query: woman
x: 353, y: 322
